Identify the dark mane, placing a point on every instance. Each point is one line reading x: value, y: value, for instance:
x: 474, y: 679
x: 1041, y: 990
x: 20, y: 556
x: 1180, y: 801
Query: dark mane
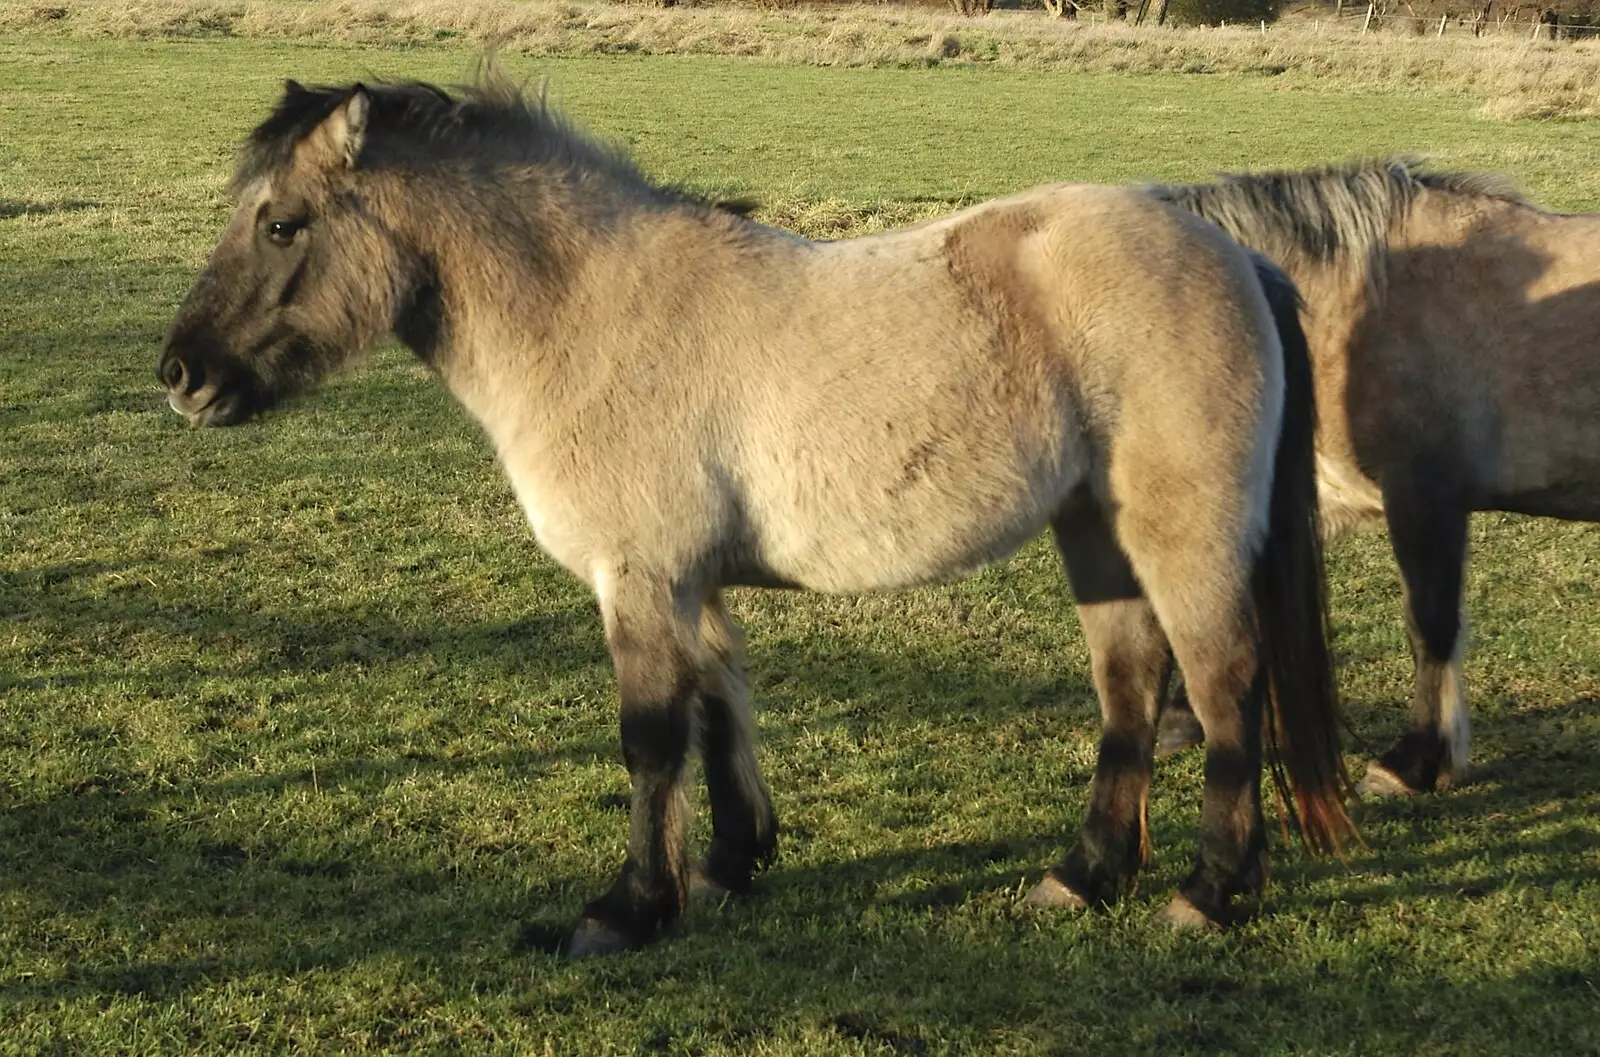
x: 1334, y: 215
x: 491, y: 119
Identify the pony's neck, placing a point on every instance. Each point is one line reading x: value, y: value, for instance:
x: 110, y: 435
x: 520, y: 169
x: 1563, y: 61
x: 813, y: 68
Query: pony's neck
x: 495, y: 269
x: 1526, y: 251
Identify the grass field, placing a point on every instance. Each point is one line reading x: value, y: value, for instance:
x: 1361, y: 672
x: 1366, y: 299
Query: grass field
x: 297, y: 727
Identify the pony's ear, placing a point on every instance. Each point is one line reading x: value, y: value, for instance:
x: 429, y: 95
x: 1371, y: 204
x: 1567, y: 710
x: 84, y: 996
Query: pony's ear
x: 355, y: 109
x: 337, y: 142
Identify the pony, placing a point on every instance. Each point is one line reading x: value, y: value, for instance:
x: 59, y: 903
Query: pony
x: 685, y: 400
x: 1452, y: 326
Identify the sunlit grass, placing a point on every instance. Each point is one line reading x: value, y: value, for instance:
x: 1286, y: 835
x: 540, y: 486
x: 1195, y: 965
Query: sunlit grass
x: 297, y: 726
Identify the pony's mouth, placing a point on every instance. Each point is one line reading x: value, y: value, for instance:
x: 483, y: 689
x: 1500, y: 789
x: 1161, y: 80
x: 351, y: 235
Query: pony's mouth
x: 210, y: 406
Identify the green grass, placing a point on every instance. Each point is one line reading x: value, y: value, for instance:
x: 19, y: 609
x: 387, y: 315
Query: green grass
x: 296, y: 725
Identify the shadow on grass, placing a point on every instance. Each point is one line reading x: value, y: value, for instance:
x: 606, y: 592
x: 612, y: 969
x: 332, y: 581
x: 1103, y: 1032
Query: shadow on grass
x: 816, y: 949
x: 900, y: 951
x: 276, y: 642
x: 886, y: 687
x: 878, y: 950
x: 11, y: 207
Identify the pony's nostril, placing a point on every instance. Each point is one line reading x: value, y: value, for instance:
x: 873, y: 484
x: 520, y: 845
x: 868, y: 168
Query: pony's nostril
x: 179, y: 377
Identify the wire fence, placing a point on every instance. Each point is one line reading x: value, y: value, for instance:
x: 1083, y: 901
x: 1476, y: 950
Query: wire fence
x: 1362, y: 20
x: 1477, y: 22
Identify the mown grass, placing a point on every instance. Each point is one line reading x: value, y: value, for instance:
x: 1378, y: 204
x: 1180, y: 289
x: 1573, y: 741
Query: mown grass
x: 297, y: 726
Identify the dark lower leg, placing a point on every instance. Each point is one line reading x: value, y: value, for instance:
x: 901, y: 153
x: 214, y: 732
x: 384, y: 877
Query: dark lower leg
x: 744, y: 828
x: 1131, y: 671
x: 652, y: 888
x: 1429, y: 536
x: 658, y: 682
x: 1232, y: 856
x: 1114, y: 842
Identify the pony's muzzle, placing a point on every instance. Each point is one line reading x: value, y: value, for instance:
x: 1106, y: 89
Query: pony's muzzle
x: 199, y: 398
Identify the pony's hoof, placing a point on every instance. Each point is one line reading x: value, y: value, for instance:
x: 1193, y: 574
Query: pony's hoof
x: 1051, y: 894
x: 702, y: 889
x: 591, y: 938
x: 1178, y: 730
x: 1185, y: 916
x: 1379, y: 781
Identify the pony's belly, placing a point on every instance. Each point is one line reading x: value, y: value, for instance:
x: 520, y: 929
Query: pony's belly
x: 922, y: 509
x: 858, y: 556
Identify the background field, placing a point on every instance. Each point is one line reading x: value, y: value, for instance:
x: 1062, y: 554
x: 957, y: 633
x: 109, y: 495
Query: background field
x: 1511, y: 75
x: 297, y: 726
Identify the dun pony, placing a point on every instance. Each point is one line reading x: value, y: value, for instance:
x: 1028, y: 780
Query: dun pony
x: 686, y: 400
x: 1455, y: 336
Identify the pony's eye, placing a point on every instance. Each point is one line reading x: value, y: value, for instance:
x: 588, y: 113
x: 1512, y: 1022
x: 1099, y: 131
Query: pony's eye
x: 283, y: 231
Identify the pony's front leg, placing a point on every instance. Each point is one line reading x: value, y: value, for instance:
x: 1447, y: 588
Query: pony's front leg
x: 1428, y: 531
x: 654, y: 650
x: 744, y: 828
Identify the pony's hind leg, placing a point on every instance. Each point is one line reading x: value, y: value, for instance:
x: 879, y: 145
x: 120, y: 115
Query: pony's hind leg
x: 1429, y: 537
x: 1198, y: 585
x: 653, y: 637
x: 1129, y: 654
x: 744, y: 828
x: 1227, y: 694
x: 1179, y: 728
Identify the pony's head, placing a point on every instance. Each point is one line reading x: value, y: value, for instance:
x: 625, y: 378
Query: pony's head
x: 305, y: 277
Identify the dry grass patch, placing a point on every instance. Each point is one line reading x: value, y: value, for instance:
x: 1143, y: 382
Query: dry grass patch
x: 1569, y: 105
x: 832, y: 218
x: 1493, y: 67
x: 1539, y: 87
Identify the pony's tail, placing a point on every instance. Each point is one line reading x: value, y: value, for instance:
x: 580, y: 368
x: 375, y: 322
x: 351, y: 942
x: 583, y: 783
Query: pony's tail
x: 1302, y: 723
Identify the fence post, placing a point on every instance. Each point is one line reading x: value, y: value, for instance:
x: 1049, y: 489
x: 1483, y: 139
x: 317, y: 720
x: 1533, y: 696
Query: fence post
x: 1368, y: 20
x: 1441, y: 24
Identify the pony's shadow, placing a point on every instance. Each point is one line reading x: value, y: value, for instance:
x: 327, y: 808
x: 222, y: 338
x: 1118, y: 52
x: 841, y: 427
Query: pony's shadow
x: 11, y: 207
x: 851, y: 907
x: 874, y: 685
x: 309, y: 640
x: 126, y: 847
x: 117, y: 839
